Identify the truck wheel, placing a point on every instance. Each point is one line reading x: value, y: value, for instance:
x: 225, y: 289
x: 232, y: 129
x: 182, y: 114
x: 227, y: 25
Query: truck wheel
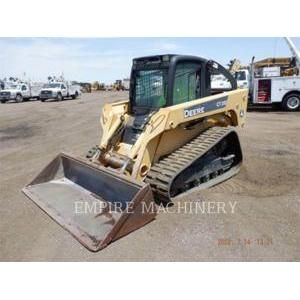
x: 75, y: 96
x: 19, y: 98
x: 291, y: 102
x: 42, y: 100
x: 59, y: 97
x: 3, y: 101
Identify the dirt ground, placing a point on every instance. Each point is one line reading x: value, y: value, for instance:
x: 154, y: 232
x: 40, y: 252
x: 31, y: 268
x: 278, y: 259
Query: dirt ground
x: 263, y: 226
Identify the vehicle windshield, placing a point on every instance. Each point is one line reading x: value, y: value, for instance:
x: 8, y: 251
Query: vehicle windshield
x: 52, y: 85
x: 151, y: 88
x: 241, y: 75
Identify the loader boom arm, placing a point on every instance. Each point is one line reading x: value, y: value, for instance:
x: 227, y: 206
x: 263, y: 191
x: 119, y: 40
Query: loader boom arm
x: 223, y: 109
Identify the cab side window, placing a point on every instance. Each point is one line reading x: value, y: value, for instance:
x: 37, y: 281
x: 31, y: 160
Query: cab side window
x: 217, y: 80
x: 24, y: 88
x: 63, y: 86
x: 186, y: 83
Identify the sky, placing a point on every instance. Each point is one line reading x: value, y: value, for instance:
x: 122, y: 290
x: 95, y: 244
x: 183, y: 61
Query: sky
x: 108, y: 59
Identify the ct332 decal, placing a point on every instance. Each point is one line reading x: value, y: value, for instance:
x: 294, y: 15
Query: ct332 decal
x: 205, y: 107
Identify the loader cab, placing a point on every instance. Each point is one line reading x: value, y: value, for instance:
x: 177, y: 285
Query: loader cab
x: 166, y: 80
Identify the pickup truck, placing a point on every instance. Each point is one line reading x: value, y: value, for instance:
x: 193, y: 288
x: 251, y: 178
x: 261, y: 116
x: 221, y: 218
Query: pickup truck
x: 59, y: 91
x: 19, y: 92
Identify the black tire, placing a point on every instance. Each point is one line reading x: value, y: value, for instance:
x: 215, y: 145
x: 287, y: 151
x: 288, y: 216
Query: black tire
x: 3, y: 101
x: 75, y: 96
x: 291, y: 102
x: 59, y: 97
x: 19, y: 98
x: 43, y: 100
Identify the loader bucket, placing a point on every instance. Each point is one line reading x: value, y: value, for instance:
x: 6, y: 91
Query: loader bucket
x: 97, y: 206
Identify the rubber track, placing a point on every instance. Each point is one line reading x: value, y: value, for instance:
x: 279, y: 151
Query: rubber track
x: 162, y: 174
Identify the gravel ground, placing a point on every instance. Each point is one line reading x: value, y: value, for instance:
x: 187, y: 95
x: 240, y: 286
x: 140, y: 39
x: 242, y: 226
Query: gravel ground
x: 259, y: 222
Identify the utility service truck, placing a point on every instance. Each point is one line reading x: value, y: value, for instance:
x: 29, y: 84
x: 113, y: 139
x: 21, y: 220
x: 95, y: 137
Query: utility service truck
x: 20, y: 92
x: 276, y: 81
x: 59, y: 91
x: 242, y: 78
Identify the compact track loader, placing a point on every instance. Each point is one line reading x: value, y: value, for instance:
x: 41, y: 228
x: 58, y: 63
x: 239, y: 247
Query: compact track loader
x: 175, y: 133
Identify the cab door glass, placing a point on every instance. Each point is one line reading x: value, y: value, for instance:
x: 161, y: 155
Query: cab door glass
x: 24, y: 88
x: 186, y: 83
